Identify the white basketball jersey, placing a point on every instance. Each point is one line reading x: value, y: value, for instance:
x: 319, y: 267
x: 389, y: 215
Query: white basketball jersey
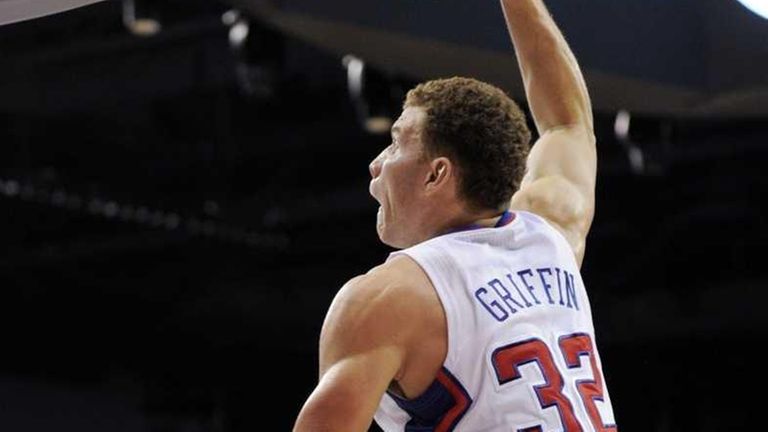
x: 521, y: 344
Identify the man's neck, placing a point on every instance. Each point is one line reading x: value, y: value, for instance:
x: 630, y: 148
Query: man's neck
x: 481, y: 219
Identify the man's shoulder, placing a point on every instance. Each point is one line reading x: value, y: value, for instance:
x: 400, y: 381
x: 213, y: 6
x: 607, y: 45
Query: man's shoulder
x: 401, y: 270
x: 398, y: 278
x: 385, y: 306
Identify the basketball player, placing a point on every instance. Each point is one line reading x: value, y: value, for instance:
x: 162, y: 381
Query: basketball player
x: 481, y: 322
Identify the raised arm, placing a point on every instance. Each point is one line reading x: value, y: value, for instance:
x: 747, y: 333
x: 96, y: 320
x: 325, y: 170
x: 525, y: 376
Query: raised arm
x: 559, y: 183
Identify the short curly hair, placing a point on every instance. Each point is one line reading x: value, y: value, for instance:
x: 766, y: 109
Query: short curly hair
x: 481, y: 130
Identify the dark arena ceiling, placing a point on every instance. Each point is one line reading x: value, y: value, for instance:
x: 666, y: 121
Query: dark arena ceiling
x: 178, y: 210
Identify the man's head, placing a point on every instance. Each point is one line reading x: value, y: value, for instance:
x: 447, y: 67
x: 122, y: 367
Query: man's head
x: 460, y: 145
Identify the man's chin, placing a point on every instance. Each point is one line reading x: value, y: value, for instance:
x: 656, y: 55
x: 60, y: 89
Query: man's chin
x: 383, y: 234
x: 390, y: 240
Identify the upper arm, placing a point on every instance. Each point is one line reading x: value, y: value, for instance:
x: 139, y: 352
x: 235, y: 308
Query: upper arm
x: 362, y: 349
x: 559, y: 183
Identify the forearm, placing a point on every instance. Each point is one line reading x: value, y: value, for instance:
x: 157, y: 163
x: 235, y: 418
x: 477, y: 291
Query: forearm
x: 554, y: 85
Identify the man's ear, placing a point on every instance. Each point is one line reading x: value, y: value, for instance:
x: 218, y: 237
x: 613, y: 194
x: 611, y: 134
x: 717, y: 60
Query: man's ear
x: 439, y: 174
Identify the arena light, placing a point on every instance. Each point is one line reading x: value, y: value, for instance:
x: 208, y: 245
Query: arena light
x: 759, y: 7
x: 258, y: 55
x: 14, y: 189
x: 138, y: 18
x: 369, y: 91
x: 621, y: 128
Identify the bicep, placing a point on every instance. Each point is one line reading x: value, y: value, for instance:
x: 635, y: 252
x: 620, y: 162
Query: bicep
x: 361, y: 352
x: 559, y: 184
x: 348, y: 394
x: 566, y: 152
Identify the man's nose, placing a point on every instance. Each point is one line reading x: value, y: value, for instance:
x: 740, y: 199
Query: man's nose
x: 375, y: 166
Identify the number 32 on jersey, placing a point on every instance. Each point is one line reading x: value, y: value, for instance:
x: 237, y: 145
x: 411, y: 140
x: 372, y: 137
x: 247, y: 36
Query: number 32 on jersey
x: 508, y: 359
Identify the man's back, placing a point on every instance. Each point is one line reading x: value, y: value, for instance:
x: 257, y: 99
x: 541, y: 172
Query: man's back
x: 520, y: 337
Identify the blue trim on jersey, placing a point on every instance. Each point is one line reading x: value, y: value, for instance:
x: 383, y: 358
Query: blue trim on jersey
x: 506, y: 218
x: 429, y: 409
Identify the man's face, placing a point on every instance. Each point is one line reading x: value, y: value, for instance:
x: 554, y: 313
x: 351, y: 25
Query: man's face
x: 398, y: 174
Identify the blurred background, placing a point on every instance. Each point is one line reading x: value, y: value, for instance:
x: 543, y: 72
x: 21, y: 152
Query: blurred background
x: 183, y: 189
